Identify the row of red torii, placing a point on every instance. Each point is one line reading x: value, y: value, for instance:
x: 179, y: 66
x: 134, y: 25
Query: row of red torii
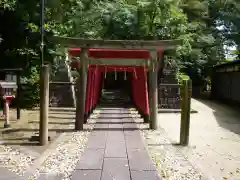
x: 94, y: 57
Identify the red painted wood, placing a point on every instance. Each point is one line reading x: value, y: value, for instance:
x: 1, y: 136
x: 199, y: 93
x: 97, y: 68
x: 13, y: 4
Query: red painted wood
x: 139, y: 76
x: 75, y: 64
x: 95, y: 86
x: 112, y: 68
x: 74, y: 51
x: 115, y: 53
x: 147, y: 110
x: 99, y: 85
x: 139, y: 88
x: 119, y: 54
x: 87, y: 104
x: 92, y: 89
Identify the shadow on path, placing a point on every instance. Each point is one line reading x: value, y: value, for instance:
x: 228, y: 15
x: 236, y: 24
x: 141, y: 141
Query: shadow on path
x: 227, y: 116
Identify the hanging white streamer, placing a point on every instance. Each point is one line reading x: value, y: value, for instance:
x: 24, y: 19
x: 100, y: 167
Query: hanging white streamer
x: 105, y: 73
x: 125, y: 75
x: 115, y: 74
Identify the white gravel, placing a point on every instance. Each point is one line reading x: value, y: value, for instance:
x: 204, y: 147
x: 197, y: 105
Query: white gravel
x: 170, y: 163
x: 14, y: 160
x: 63, y: 159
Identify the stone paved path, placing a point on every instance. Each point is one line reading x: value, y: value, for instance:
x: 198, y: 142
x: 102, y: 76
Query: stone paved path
x: 115, y: 150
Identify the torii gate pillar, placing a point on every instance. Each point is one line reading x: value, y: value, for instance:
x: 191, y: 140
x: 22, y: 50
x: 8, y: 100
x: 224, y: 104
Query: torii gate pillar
x: 153, y: 92
x: 81, y: 91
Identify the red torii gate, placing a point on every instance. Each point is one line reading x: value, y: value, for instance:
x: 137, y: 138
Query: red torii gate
x: 118, y: 52
x: 94, y: 78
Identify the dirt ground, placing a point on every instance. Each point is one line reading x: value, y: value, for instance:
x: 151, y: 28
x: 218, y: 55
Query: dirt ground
x: 21, y: 131
x: 214, y: 138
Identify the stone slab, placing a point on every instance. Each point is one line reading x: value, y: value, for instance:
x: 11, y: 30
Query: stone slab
x: 116, y: 120
x: 102, y: 134
x: 50, y: 176
x: 110, y: 116
x: 115, y: 149
x: 128, y: 121
x: 116, y: 126
x: 96, y: 142
x: 91, y: 159
x: 129, y: 126
x: 134, y: 141
x: 101, y: 126
x: 145, y: 175
x: 5, y: 174
x: 101, y: 119
x: 115, y: 168
x: 139, y: 160
x: 115, y: 136
x: 132, y: 133
x: 86, y: 175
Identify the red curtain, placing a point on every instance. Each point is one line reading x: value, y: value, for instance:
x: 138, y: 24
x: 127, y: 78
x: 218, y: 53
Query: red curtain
x: 139, y: 89
x: 139, y: 86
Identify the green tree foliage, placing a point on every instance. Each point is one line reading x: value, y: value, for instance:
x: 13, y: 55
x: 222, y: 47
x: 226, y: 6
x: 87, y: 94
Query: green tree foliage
x: 19, y: 44
x: 226, y: 14
x: 196, y: 22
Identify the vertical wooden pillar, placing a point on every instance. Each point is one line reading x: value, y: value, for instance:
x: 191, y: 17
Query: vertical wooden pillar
x: 154, y: 94
x: 18, y: 96
x: 44, y: 104
x: 81, y: 94
x: 149, y: 94
x: 186, y: 89
x: 84, y: 88
x: 78, y: 125
x: 6, y: 112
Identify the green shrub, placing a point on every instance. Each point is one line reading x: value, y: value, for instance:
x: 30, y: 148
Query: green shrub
x: 30, y: 95
x: 30, y: 89
x: 181, y: 77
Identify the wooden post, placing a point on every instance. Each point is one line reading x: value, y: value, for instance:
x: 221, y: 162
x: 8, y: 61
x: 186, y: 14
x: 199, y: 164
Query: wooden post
x: 149, y: 94
x: 84, y: 88
x: 44, y: 104
x: 18, y: 96
x: 6, y: 111
x: 154, y: 95
x: 81, y: 97
x: 186, y: 91
x: 78, y: 125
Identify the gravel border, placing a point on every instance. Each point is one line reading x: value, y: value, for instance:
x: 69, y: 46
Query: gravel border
x: 63, y: 158
x: 60, y: 157
x: 14, y: 160
x: 169, y: 161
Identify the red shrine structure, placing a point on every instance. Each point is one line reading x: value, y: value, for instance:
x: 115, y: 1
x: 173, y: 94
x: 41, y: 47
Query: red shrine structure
x: 141, y: 59
x: 139, y: 85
